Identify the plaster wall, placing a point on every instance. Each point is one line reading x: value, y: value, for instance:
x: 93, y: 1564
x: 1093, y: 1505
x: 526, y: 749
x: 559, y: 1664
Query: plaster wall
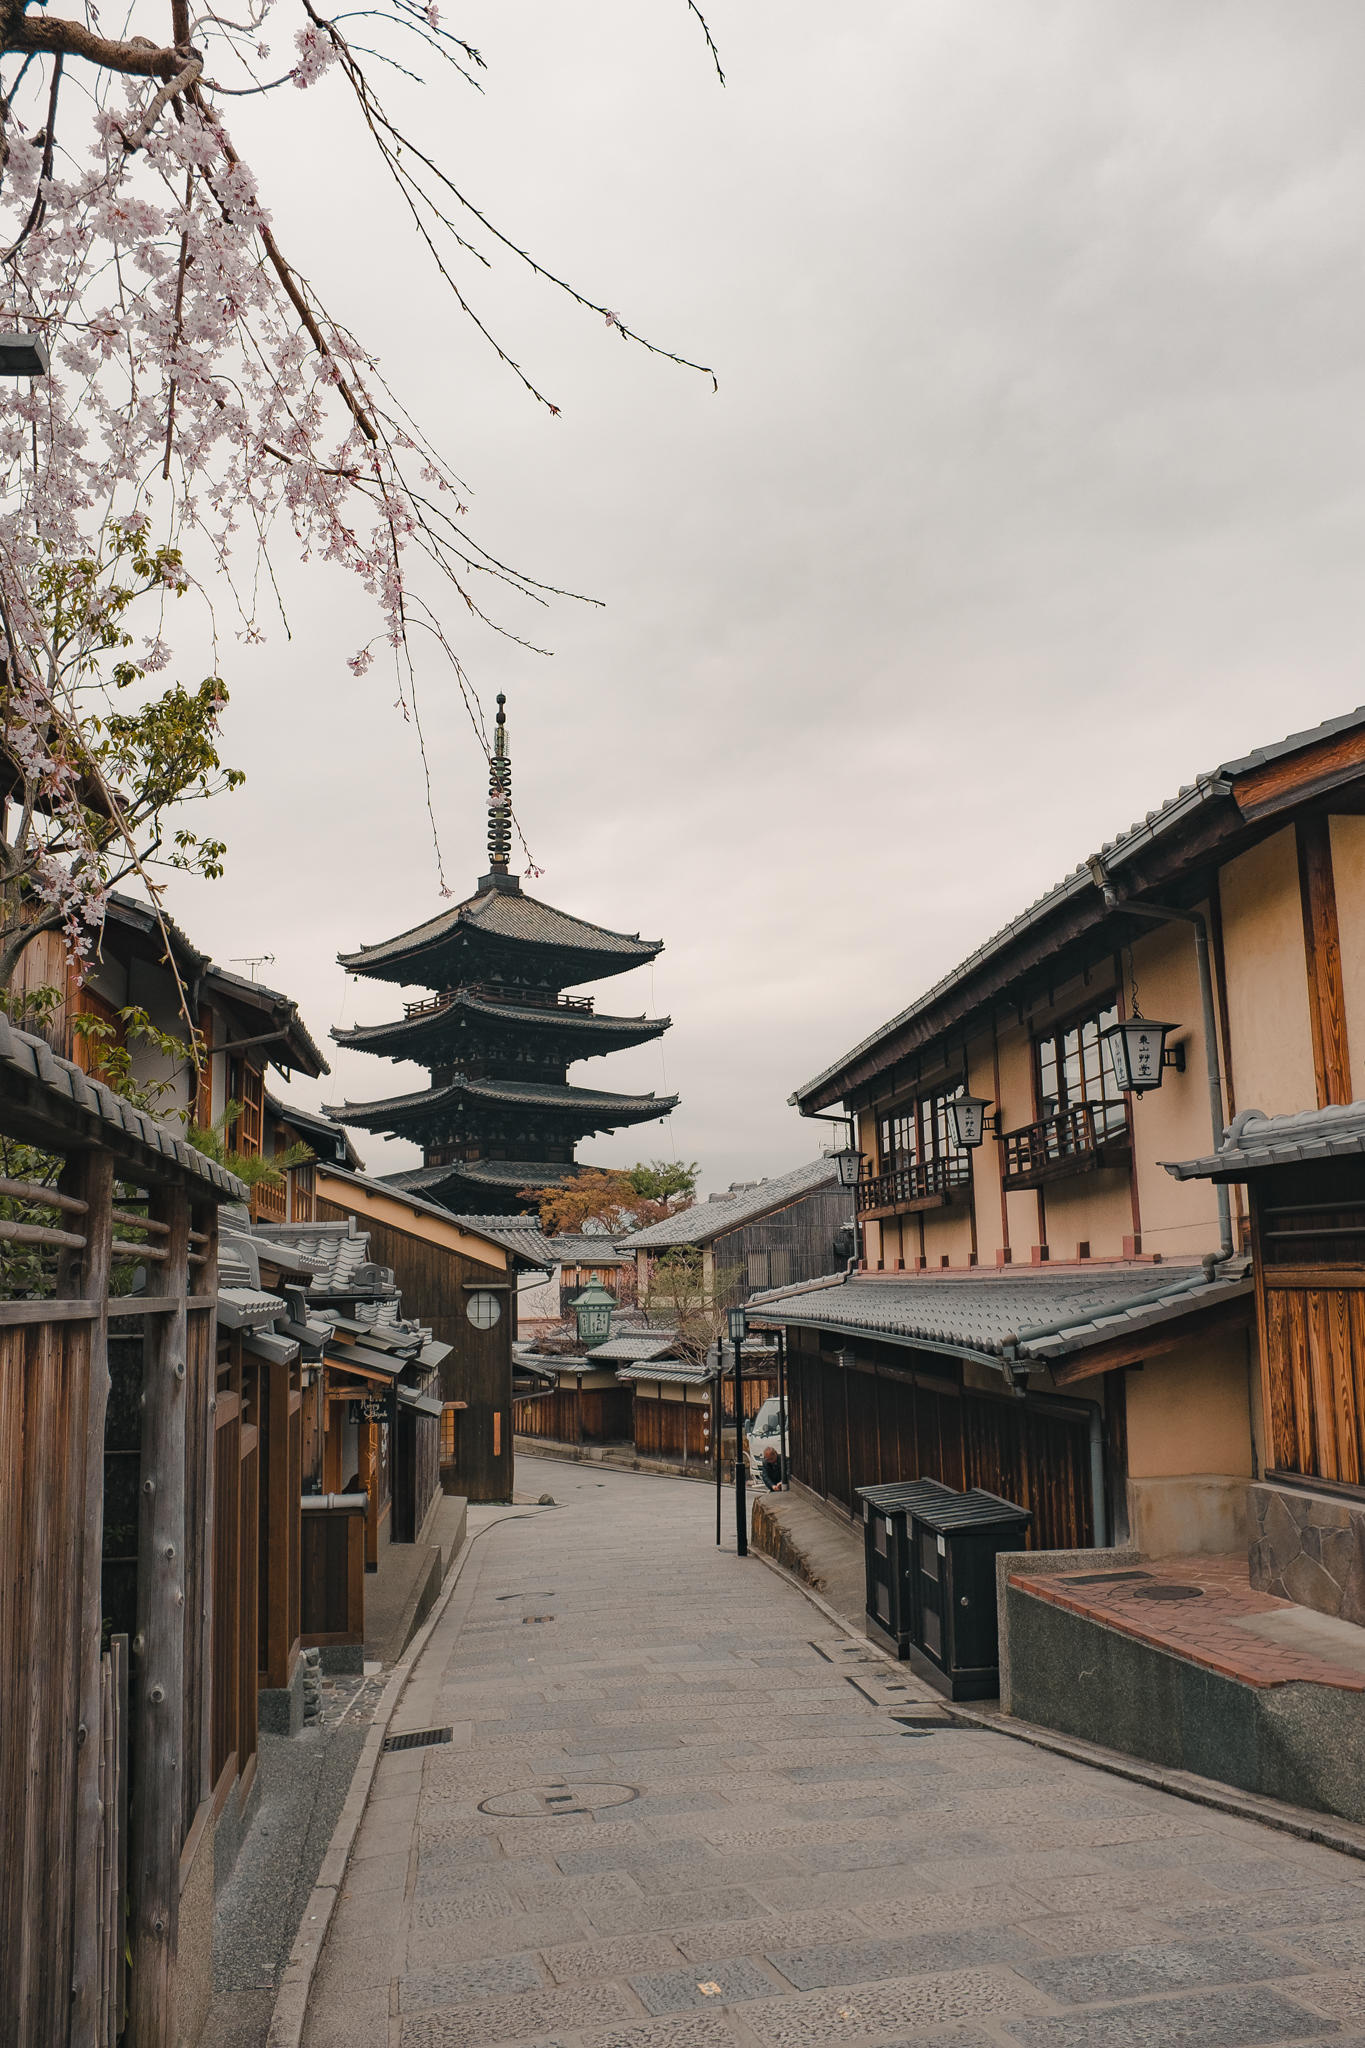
x: 1348, y: 872
x: 1202, y: 1514
x: 1093, y: 1208
x: 1173, y: 1121
x: 1267, y: 979
x: 1189, y: 1411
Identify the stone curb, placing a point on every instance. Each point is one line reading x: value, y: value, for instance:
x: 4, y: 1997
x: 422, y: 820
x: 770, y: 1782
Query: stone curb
x: 290, y: 2015
x: 1321, y: 1828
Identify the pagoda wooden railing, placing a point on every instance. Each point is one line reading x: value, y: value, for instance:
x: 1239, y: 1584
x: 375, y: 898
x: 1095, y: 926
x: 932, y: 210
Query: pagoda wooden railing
x: 925, y: 1183
x: 487, y: 992
x: 1074, y: 1140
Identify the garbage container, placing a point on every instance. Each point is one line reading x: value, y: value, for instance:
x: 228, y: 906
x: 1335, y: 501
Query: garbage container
x: 888, y: 1553
x: 955, y: 1538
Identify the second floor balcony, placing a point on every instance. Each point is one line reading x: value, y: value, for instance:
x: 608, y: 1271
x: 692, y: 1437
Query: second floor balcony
x: 919, y: 1184
x: 1075, y: 1140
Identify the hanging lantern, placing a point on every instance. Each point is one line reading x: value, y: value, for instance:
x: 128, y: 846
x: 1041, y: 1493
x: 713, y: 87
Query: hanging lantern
x: 849, y: 1163
x: 970, y: 1121
x: 1137, y: 1051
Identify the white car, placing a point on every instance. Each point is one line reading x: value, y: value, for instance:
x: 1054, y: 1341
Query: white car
x: 764, y: 1431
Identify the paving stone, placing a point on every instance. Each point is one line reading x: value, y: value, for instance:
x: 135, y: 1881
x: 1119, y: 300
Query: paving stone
x: 1341, y: 1943
x: 472, y: 1940
x: 1137, y: 1972
x: 1247, y: 2018
x: 811, y: 1969
x: 1083, y: 1934
x: 618, y: 1956
x: 494, y: 1977
x: 639, y: 1856
x: 809, y: 2020
x: 641, y: 1915
x: 1278, y: 1909
x: 702, y: 2030
x: 1341, y: 1998
x: 772, y: 1932
x: 475, y: 2025
x: 675, y: 1990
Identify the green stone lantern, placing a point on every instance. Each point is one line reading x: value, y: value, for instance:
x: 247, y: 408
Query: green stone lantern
x: 593, y: 1307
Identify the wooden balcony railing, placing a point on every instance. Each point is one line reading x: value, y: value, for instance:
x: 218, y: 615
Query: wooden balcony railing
x: 1074, y: 1140
x: 515, y: 998
x: 925, y: 1185
x: 292, y: 1200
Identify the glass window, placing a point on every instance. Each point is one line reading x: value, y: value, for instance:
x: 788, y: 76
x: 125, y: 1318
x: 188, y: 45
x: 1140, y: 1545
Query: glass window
x: 483, y: 1309
x: 1074, y: 1068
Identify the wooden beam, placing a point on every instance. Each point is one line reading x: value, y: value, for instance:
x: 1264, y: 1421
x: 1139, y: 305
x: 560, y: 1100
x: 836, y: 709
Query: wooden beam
x: 157, y: 1692
x: 12, y: 1312
x: 90, y: 1180
x: 1322, y: 955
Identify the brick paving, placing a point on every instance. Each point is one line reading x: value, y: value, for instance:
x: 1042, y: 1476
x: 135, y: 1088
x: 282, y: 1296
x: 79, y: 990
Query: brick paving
x: 1205, y: 1630
x: 682, y: 1813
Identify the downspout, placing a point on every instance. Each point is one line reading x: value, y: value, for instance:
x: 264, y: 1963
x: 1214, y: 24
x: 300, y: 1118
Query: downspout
x: 1161, y: 913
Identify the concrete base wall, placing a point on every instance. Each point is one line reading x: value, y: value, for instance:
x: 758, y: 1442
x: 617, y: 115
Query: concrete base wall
x: 1039, y: 1563
x: 194, y: 1942
x: 279, y: 1709
x: 1309, y: 1547
x: 1199, y: 1514
x: 1301, y: 1743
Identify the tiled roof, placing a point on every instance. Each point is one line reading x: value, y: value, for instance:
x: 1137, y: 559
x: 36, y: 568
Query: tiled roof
x: 707, y: 1220
x: 532, y: 1249
x: 631, y: 1350
x: 243, y: 1308
x: 673, y: 1372
x: 506, y: 914
x: 54, y: 1100
x: 579, y: 1103
x: 587, y: 1248
x: 1205, y: 789
x: 1255, y: 1141
x: 993, y: 1316
x: 343, y: 1261
x: 521, y: 1236
x: 580, y: 1023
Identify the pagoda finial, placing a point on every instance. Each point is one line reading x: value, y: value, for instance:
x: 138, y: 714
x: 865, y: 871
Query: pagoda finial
x: 499, y: 874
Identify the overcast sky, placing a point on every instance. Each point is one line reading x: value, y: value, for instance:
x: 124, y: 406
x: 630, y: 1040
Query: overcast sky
x: 1033, y: 485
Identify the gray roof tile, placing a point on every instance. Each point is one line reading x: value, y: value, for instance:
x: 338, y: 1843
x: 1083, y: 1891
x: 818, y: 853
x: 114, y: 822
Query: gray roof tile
x: 1255, y: 1141
x: 707, y: 1220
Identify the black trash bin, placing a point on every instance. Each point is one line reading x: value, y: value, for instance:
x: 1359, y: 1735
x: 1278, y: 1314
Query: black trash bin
x: 888, y: 1550
x: 955, y: 1538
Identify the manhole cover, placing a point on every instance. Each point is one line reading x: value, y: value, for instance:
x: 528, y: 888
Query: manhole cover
x: 579, y: 1795
x: 1163, y: 1592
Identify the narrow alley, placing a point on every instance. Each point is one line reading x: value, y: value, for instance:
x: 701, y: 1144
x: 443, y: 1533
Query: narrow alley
x: 666, y: 1818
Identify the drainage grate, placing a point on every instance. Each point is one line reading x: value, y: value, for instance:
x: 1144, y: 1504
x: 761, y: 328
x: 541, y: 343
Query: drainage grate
x: 418, y: 1738
x: 528, y: 1619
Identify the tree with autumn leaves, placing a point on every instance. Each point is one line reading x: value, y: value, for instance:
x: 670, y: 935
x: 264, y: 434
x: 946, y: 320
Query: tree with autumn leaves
x: 615, y: 1200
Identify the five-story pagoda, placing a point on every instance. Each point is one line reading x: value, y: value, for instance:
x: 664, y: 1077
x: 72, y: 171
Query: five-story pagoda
x: 498, y: 1034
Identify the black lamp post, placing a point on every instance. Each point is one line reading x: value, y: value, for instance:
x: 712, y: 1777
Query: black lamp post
x: 739, y: 1324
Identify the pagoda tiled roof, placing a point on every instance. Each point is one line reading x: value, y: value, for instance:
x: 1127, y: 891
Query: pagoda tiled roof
x: 578, y: 1024
x: 507, y: 915
x: 485, y: 1180
x: 581, y: 1103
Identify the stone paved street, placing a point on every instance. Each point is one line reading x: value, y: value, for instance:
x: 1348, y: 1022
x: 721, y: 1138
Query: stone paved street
x: 667, y: 1819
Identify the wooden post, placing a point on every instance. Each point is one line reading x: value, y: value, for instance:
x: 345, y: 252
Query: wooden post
x: 90, y: 1177
x: 157, y: 1692
x: 206, y: 1282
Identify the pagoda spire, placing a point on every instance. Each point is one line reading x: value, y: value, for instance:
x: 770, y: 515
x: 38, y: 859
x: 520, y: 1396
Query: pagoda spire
x: 499, y: 874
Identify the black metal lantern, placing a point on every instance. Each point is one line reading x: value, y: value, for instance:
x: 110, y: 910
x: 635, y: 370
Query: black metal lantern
x: 970, y: 1121
x: 1137, y: 1050
x: 23, y: 355
x: 849, y: 1162
x: 593, y: 1310
x: 738, y: 1323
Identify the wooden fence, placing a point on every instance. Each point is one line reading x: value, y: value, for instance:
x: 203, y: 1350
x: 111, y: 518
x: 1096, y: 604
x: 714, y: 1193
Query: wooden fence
x: 104, y: 1766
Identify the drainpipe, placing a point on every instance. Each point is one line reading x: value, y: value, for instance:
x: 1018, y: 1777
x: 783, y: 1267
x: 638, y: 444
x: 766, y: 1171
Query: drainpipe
x: 1161, y: 913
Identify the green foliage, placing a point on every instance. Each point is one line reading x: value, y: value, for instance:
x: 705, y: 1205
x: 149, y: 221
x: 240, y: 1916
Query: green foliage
x: 215, y: 1141
x: 28, y: 1271
x: 665, y: 1180
x: 112, y: 1055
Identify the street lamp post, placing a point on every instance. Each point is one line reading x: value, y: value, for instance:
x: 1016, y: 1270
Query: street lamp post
x: 739, y: 1323
x: 850, y: 1164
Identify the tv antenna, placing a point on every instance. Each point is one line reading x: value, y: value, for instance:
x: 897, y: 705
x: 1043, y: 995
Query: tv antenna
x: 253, y: 961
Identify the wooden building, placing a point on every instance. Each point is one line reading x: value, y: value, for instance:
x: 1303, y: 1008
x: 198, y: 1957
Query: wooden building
x: 498, y: 1034
x: 1048, y: 1312
x: 768, y: 1233
x: 462, y: 1281
x: 114, y: 1620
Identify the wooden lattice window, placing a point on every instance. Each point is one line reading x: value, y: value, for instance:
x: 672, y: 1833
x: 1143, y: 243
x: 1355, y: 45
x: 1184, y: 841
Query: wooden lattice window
x: 247, y: 1087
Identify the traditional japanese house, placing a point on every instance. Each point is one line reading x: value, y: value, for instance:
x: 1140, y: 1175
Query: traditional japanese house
x: 460, y: 1275
x: 498, y: 1034
x: 768, y: 1233
x: 1041, y: 1308
x: 585, y: 1256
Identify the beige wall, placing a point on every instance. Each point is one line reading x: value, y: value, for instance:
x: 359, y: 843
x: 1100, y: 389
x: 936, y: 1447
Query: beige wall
x: 1189, y: 1411
x: 1348, y: 867
x: 1267, y: 979
x: 1173, y: 1121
